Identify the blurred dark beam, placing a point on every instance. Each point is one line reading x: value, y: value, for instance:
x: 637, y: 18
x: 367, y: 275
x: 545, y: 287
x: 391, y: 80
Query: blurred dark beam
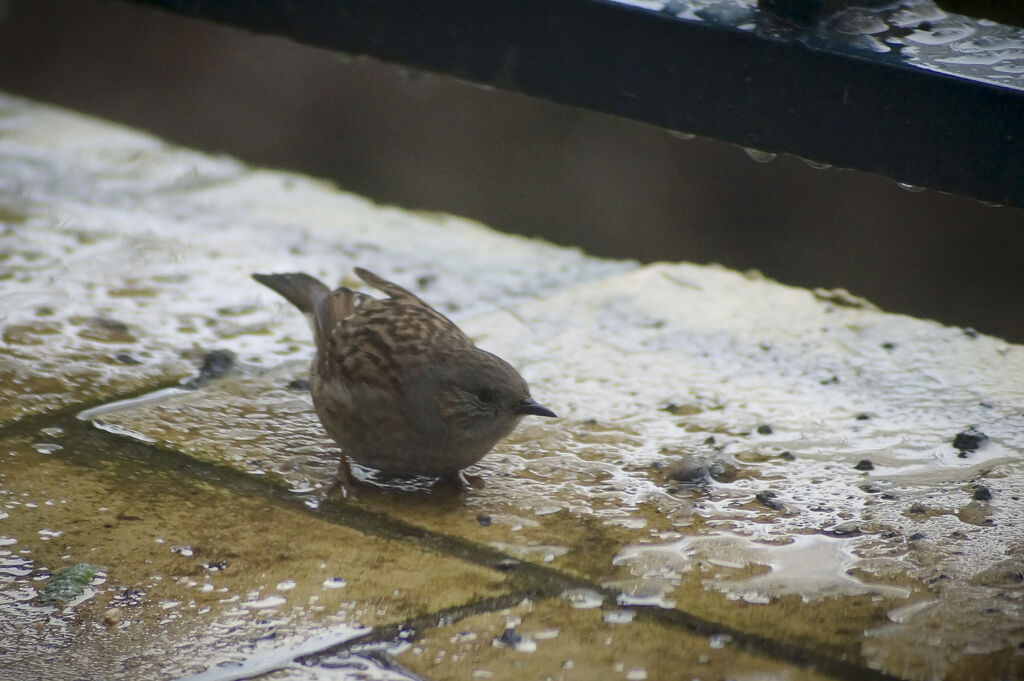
x: 1003, y: 11
x: 861, y: 88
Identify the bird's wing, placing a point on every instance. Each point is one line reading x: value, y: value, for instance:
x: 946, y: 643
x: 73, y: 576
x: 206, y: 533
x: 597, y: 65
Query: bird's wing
x: 375, y: 341
x: 388, y: 287
x: 410, y: 316
x: 380, y: 341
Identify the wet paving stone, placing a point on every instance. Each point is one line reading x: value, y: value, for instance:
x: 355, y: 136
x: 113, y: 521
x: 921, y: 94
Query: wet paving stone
x: 155, y: 424
x: 580, y: 495
x: 554, y: 640
x: 124, y: 260
x: 191, y: 573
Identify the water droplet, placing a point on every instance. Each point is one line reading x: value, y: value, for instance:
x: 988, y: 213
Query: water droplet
x: 15, y: 567
x: 816, y: 164
x: 583, y: 599
x: 619, y: 616
x: 547, y: 509
x: 719, y: 641
x: 286, y: 585
x: 912, y: 188
x: 46, y: 447
x: 760, y: 156
x: 636, y: 674
x: 630, y: 523
x: 905, y: 613
x: 686, y: 136
x: 268, y: 602
x: 334, y: 583
x: 527, y: 645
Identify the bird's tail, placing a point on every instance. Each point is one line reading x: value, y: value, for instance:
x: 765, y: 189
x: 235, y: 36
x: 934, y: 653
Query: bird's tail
x: 301, y: 290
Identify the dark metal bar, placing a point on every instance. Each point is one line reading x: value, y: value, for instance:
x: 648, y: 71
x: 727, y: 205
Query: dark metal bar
x: 884, y: 90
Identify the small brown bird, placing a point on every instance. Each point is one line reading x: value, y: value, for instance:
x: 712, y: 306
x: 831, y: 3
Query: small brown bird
x: 397, y: 385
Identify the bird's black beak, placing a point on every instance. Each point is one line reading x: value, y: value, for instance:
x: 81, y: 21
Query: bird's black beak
x: 528, y: 406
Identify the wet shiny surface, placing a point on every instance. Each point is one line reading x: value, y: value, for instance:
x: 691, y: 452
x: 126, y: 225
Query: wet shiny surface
x: 915, y: 32
x: 123, y: 260
x: 197, y: 573
x: 551, y: 640
x: 737, y: 466
x: 780, y: 403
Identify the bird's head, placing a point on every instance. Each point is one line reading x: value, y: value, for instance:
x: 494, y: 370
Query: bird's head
x: 481, y: 398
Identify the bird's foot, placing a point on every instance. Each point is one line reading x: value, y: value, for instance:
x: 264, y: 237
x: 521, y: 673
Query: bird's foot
x: 345, y: 482
x: 460, y: 480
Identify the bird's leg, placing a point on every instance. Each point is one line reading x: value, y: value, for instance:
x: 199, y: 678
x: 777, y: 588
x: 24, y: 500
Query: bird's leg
x: 460, y: 480
x: 344, y: 482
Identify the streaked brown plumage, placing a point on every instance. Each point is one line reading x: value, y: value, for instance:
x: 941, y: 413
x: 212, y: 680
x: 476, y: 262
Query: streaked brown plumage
x: 397, y: 385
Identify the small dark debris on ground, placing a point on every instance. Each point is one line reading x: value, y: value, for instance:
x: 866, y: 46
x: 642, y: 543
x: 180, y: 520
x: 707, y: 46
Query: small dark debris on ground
x: 299, y: 385
x: 215, y: 364
x: 688, y: 471
x: 970, y: 440
x: 767, y: 498
x: 510, y: 637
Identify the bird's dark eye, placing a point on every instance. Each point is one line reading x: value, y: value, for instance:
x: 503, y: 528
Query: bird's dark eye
x: 485, y: 395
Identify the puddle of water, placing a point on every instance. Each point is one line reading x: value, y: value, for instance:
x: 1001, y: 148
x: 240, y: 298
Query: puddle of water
x: 273, y: 655
x: 981, y: 630
x: 810, y: 566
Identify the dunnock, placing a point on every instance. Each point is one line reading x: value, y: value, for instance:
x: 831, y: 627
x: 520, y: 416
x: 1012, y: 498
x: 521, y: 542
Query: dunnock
x: 397, y: 385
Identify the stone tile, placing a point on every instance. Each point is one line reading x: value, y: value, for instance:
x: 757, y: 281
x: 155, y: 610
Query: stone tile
x: 201, y: 573
x: 774, y: 460
x: 551, y: 640
x: 693, y: 373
